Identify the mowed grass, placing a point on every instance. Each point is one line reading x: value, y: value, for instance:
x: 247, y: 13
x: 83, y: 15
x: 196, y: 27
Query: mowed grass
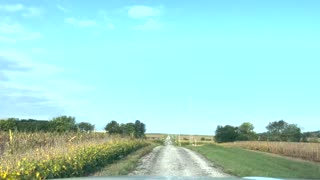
x: 242, y: 163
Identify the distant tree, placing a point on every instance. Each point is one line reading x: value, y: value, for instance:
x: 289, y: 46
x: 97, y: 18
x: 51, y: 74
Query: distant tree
x: 263, y: 136
x: 8, y: 124
x: 140, y: 129
x: 136, y: 129
x: 63, y: 124
x: 226, y: 134
x: 275, y: 130
x: 305, y: 136
x: 32, y: 125
x: 85, y: 127
x: 128, y: 129
x: 282, y: 131
x: 292, y: 133
x: 113, y: 127
x: 246, y: 128
x: 245, y: 132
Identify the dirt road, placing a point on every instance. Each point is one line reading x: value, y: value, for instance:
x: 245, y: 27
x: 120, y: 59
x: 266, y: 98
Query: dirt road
x: 169, y: 160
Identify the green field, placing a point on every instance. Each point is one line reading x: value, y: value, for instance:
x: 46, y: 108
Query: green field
x: 241, y: 162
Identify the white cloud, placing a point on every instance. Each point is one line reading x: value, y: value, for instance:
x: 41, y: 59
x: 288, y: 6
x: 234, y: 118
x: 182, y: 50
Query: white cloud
x: 148, y: 17
x: 88, y: 23
x: 80, y: 23
x: 61, y: 8
x: 27, y: 62
x: 11, y: 7
x: 14, y: 32
x: 26, y: 11
x: 149, y: 25
x: 138, y: 12
x: 32, y: 12
x: 19, y: 92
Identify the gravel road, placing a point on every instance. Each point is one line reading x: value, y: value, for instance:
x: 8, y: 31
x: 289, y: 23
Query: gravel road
x: 169, y: 160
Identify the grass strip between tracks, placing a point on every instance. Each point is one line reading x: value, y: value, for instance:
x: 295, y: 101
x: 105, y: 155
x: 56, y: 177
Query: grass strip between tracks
x: 242, y: 163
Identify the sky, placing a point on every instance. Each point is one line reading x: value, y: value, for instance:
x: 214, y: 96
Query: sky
x: 177, y: 66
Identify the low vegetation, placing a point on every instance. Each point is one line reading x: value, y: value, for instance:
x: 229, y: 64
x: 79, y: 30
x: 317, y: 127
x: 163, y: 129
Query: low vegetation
x: 77, y: 160
x: 61, y: 148
x: 307, y: 151
x: 242, y: 163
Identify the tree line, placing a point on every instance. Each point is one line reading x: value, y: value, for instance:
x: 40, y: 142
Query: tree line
x: 276, y: 131
x: 58, y: 124
x: 64, y: 124
x: 136, y: 129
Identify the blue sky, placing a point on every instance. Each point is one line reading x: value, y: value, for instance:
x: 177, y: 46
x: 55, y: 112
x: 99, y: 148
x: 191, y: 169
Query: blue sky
x: 178, y: 66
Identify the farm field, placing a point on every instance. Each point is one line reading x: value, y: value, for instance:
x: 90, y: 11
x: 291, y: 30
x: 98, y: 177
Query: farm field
x: 307, y: 151
x: 154, y: 136
x: 241, y: 162
x: 53, y: 155
x: 21, y: 142
x: 58, y: 155
x: 192, y: 139
x: 182, y: 138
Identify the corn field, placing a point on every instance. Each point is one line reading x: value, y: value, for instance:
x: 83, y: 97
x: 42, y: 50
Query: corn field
x: 307, y: 151
x: 18, y: 142
x: 49, y: 155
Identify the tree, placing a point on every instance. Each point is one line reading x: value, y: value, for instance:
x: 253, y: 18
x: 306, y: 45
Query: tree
x: 292, y: 133
x: 246, y: 128
x: 113, y: 127
x: 85, y: 127
x: 282, y: 131
x: 245, y: 132
x: 8, y: 124
x: 136, y: 129
x: 32, y: 125
x: 63, y: 124
x: 226, y: 134
x: 140, y: 129
x: 275, y: 130
x: 128, y: 129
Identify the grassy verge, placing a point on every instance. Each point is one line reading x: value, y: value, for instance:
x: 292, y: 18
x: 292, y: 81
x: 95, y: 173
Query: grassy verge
x: 241, y: 162
x: 125, y: 165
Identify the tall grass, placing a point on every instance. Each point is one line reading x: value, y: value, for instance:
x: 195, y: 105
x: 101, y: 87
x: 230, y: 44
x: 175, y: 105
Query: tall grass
x: 307, y: 151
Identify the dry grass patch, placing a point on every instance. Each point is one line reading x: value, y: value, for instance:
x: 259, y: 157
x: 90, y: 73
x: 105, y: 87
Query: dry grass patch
x: 307, y: 151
